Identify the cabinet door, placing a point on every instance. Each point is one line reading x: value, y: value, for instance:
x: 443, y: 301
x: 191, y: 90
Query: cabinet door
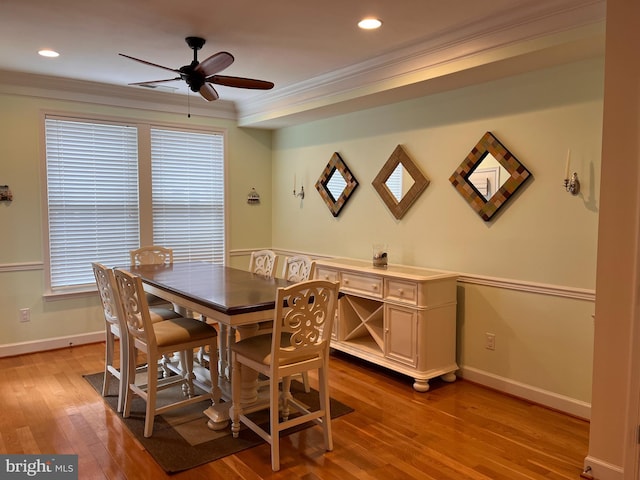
x: 401, y: 327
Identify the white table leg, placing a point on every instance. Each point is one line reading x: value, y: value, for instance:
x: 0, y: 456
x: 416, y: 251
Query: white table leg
x: 219, y: 414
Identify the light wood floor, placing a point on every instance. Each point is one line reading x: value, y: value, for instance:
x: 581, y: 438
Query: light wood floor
x: 455, y: 431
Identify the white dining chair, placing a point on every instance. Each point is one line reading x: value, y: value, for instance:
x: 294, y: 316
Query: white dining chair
x: 263, y: 262
x: 116, y: 328
x: 300, y: 342
x: 298, y: 268
x: 183, y: 334
x: 153, y: 255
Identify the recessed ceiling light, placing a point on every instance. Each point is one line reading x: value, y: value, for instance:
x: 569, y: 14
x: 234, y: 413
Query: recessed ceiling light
x: 48, y: 53
x: 370, y: 23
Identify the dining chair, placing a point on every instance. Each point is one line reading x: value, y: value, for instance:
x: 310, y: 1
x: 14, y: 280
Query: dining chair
x: 298, y: 268
x: 300, y: 342
x: 263, y: 262
x: 115, y: 328
x: 153, y: 255
x: 155, y: 340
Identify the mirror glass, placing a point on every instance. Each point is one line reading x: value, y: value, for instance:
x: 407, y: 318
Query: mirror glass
x: 399, y: 182
x: 336, y: 184
x: 489, y: 176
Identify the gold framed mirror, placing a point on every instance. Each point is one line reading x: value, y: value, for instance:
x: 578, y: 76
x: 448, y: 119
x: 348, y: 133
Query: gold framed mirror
x: 489, y: 176
x: 336, y: 184
x: 400, y: 182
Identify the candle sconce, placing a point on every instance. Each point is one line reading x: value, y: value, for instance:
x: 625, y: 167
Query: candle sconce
x: 299, y: 194
x: 572, y: 185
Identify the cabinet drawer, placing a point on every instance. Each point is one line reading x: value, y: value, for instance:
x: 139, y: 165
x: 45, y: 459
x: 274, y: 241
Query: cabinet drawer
x: 401, y: 291
x: 326, y: 274
x: 370, y: 286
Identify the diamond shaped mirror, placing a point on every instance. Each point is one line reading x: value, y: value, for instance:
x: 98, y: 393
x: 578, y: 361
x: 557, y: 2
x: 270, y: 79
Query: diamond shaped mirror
x: 400, y: 182
x: 489, y: 176
x: 336, y: 184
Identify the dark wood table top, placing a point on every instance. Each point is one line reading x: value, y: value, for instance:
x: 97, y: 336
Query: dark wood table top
x: 227, y: 290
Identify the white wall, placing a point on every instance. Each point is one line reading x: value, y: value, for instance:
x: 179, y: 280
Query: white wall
x: 544, y: 236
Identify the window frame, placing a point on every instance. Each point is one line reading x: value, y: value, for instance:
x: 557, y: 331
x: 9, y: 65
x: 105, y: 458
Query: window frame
x: 144, y: 186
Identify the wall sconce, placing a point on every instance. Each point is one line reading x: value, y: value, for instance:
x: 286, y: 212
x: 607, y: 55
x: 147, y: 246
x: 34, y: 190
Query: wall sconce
x: 5, y: 193
x: 253, y: 197
x: 301, y: 192
x: 571, y: 183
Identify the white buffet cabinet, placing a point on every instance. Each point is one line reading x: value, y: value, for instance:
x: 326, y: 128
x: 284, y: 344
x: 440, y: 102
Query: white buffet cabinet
x: 402, y: 318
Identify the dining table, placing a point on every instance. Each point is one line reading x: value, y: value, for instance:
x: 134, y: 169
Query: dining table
x: 234, y: 298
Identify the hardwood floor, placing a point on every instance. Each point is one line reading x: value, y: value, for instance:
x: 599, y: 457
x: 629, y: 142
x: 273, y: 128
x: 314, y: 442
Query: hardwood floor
x: 455, y: 431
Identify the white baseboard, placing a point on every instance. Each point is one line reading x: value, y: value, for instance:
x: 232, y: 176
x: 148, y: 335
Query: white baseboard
x: 601, y: 470
x: 549, y: 399
x: 13, y: 349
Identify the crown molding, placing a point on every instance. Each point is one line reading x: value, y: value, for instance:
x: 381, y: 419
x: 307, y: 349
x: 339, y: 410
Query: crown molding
x: 576, y: 28
x: 32, y: 85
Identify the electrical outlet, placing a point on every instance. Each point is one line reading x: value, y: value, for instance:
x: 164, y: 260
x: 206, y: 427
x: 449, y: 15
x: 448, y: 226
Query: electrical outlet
x: 25, y: 314
x: 490, y: 341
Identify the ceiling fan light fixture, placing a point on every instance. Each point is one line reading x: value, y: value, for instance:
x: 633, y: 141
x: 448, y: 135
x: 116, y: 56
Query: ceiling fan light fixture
x: 48, y: 53
x: 370, y: 23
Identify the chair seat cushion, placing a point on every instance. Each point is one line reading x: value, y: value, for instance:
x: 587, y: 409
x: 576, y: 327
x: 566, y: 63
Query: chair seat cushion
x: 182, y: 330
x: 258, y: 349
x: 159, y: 314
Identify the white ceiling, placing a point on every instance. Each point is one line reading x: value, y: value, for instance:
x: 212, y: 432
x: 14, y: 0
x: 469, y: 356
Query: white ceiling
x: 319, y: 60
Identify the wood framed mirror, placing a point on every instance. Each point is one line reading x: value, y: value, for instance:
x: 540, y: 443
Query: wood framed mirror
x: 489, y: 176
x: 400, y: 182
x: 336, y: 184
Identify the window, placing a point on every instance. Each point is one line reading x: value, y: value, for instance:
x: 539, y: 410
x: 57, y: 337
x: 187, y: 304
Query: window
x: 188, y: 196
x: 95, y: 199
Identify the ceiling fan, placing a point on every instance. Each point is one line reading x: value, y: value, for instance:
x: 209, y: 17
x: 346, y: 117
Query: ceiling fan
x: 200, y: 76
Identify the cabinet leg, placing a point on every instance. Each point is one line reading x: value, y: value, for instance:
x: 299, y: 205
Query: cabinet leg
x: 449, y: 377
x: 420, y: 385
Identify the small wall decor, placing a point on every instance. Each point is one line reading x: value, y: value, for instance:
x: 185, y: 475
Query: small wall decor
x: 300, y: 193
x: 336, y: 184
x: 400, y: 182
x: 253, y: 198
x: 5, y: 194
x: 489, y: 160
x: 571, y: 183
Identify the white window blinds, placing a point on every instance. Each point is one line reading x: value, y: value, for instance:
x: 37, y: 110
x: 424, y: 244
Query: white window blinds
x: 92, y: 190
x: 188, y: 193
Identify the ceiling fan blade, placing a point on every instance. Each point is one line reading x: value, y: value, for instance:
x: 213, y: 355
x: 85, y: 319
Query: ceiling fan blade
x: 215, y: 63
x: 156, y: 81
x: 208, y: 92
x: 149, y: 63
x: 240, y: 82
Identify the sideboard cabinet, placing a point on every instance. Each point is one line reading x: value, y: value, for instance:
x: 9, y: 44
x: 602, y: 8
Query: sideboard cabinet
x: 402, y: 318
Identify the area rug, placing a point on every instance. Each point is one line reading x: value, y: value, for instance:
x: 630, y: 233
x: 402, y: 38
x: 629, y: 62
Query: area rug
x: 181, y: 439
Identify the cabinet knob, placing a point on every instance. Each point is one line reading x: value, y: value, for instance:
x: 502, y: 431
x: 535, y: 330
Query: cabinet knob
x: 374, y: 286
x: 345, y: 281
x: 400, y: 292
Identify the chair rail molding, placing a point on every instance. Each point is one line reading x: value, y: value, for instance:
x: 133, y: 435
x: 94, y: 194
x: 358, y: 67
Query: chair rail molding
x: 21, y: 267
